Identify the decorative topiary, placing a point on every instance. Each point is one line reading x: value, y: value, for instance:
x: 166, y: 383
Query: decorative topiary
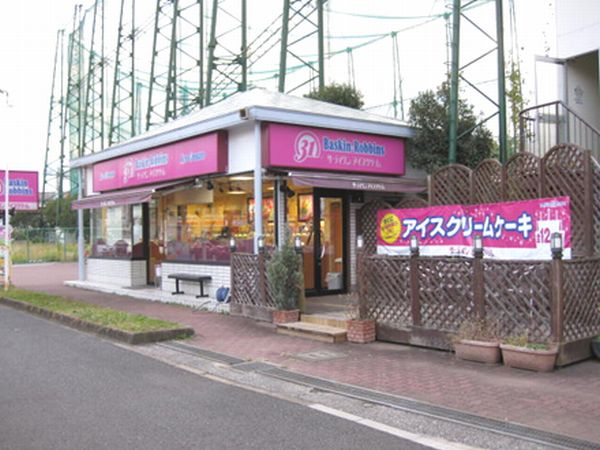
x: 285, y: 276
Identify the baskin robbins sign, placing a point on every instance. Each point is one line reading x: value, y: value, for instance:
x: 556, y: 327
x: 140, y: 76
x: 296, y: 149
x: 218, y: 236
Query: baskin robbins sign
x: 509, y: 230
x: 298, y: 147
x: 22, y: 192
x: 190, y: 157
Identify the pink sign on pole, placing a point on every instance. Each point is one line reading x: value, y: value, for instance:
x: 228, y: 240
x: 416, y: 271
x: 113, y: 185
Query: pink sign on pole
x: 23, y: 194
x: 510, y: 230
x: 191, y: 157
x: 314, y: 148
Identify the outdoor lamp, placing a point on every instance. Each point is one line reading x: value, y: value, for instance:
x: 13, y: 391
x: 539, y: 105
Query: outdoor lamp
x: 209, y: 185
x: 298, y: 244
x: 477, y: 246
x: 360, y: 242
x: 260, y: 243
x: 232, y: 245
x: 556, y: 245
x: 414, y: 246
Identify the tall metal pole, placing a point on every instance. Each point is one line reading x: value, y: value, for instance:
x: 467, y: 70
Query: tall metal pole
x: 212, y: 44
x: 321, y: 45
x: 80, y: 231
x: 501, y: 83
x: 284, y: 44
x: 244, y: 83
x: 6, y: 225
x: 454, y: 83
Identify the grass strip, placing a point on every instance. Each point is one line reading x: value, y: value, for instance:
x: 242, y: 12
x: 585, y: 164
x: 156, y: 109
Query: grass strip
x: 132, y: 323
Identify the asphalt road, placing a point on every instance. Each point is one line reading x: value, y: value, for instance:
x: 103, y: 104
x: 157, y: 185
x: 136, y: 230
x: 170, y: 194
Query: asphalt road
x: 63, y: 389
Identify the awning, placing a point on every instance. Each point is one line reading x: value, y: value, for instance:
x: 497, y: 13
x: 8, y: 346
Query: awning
x: 358, y: 182
x: 120, y: 198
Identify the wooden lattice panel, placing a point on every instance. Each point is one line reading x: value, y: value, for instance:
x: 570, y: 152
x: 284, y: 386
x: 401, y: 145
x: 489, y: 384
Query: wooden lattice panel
x: 517, y: 297
x: 596, y: 199
x: 411, y: 201
x: 367, y: 224
x: 244, y: 282
x: 387, y: 289
x: 522, y: 177
x: 445, y: 292
x: 564, y: 175
x: 582, y: 298
x: 451, y: 185
x: 487, y: 182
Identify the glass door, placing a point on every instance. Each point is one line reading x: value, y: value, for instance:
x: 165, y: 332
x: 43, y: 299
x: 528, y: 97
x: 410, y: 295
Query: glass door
x: 324, y: 253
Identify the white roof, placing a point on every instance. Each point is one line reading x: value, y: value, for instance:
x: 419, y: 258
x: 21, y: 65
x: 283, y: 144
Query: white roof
x: 256, y: 104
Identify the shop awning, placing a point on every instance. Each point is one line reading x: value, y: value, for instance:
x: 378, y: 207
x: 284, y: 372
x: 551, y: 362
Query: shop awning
x: 120, y: 198
x: 358, y: 182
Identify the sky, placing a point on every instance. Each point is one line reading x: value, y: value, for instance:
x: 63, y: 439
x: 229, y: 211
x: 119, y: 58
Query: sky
x: 28, y: 37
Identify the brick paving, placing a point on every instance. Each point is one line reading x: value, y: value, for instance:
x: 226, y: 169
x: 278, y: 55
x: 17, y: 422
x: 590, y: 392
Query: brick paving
x: 566, y: 401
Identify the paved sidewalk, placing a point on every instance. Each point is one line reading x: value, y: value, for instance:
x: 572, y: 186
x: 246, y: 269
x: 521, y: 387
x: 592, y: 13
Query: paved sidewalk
x: 566, y: 401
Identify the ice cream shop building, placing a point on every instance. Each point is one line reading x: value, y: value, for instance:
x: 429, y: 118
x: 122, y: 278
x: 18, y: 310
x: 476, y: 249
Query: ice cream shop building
x: 240, y: 171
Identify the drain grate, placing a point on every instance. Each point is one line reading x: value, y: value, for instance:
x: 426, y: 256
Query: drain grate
x: 214, y: 356
x: 496, y: 426
x: 319, y: 355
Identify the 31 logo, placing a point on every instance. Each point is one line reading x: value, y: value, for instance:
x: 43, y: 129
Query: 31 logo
x: 306, y: 146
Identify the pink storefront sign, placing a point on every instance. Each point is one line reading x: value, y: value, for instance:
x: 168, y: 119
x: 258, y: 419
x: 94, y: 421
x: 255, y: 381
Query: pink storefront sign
x: 23, y: 194
x: 299, y: 147
x: 509, y: 230
x: 191, y: 157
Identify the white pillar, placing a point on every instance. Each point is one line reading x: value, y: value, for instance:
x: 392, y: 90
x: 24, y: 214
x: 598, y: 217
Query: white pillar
x: 80, y: 231
x: 6, y: 226
x: 258, y: 214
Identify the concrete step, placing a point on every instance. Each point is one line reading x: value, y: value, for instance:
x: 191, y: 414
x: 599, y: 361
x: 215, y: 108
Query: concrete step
x: 313, y: 331
x: 330, y: 320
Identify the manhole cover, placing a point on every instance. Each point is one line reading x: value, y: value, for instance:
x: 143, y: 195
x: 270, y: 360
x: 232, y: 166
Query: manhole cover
x: 319, y: 355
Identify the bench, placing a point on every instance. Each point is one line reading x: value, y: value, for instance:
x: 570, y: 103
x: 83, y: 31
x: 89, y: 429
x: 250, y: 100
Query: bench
x: 189, y: 277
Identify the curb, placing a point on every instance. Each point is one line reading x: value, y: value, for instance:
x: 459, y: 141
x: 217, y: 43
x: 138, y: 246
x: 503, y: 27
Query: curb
x: 112, y: 333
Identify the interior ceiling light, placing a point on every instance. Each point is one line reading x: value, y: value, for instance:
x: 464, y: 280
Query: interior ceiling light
x: 236, y: 190
x: 242, y: 178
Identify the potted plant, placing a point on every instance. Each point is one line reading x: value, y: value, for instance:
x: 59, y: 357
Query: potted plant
x: 520, y: 352
x: 477, y: 340
x: 284, y: 276
x: 359, y: 330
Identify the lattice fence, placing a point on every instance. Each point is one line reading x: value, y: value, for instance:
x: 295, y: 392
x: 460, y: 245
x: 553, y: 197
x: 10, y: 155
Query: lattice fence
x: 487, y: 182
x: 522, y: 177
x: 451, y: 185
x: 244, y: 284
x: 367, y: 224
x: 582, y: 298
x: 378, y: 284
x: 517, y: 297
x: 445, y: 292
x: 596, y: 199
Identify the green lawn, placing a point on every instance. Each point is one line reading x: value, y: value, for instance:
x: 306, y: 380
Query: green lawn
x: 134, y: 323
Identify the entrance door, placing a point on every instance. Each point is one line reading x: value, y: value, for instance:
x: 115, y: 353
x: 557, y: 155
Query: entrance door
x: 325, y: 253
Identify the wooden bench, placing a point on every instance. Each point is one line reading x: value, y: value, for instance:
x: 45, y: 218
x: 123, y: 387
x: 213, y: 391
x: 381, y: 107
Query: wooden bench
x: 189, y: 277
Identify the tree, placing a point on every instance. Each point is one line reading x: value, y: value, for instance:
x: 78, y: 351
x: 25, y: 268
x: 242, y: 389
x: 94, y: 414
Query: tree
x: 339, y: 94
x: 47, y: 217
x: 429, y: 114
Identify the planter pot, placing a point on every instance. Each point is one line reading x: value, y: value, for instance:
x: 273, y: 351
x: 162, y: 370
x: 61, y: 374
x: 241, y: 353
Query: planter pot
x: 526, y: 358
x: 361, y: 331
x: 480, y: 351
x: 285, y: 316
x: 596, y: 348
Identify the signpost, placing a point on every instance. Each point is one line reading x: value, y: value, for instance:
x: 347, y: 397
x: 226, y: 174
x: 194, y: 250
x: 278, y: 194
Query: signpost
x: 6, y: 243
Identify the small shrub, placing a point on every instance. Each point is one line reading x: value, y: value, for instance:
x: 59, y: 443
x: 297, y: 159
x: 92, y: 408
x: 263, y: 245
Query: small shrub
x: 478, y: 330
x: 522, y: 340
x: 285, y: 276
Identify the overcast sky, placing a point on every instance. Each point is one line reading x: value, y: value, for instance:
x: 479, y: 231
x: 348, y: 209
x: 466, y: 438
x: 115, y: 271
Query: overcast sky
x: 28, y: 35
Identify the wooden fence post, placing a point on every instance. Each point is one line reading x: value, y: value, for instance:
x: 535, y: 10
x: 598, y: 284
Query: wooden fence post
x: 557, y: 296
x: 478, y: 287
x: 414, y: 289
x: 362, y: 291
x: 588, y: 225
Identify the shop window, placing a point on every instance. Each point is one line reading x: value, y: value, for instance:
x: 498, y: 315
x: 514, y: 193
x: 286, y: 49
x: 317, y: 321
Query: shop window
x: 112, y: 231
x: 198, y: 223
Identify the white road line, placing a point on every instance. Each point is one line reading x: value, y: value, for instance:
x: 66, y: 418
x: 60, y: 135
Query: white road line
x: 436, y: 443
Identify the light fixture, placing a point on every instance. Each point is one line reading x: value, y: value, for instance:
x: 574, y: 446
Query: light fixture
x: 242, y: 178
x: 260, y: 243
x: 298, y: 244
x: 236, y: 190
x: 232, y: 245
x: 414, y: 246
x: 477, y: 246
x: 284, y: 188
x: 556, y: 245
x: 209, y: 185
x: 360, y: 242
x: 198, y: 183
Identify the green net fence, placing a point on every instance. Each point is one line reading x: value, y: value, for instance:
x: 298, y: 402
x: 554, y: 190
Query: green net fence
x: 45, y: 244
